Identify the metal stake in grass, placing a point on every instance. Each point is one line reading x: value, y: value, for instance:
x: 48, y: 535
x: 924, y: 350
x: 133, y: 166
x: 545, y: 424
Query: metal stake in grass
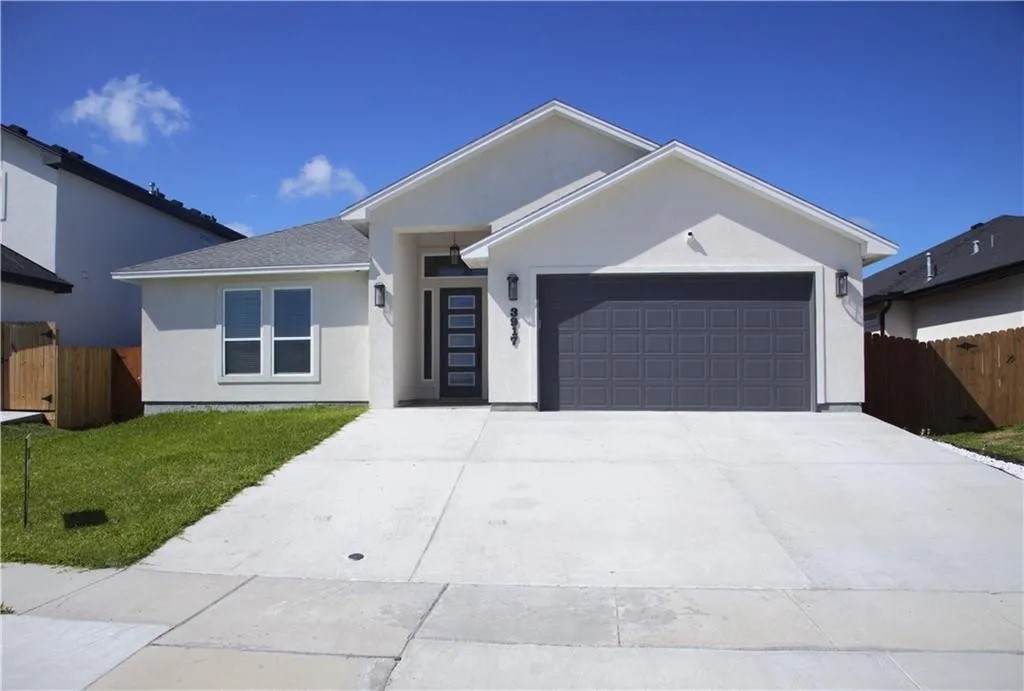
x: 28, y: 459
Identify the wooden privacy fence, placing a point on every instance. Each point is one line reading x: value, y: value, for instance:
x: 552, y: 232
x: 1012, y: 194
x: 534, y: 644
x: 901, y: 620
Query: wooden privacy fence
x: 970, y: 383
x: 74, y: 386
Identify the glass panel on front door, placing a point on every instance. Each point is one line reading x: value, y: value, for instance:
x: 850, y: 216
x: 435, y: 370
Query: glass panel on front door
x: 461, y: 343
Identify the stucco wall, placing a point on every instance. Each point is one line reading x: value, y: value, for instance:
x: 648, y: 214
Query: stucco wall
x: 31, y: 215
x: 640, y: 225
x: 99, y: 231
x: 899, y: 320
x: 181, y: 340
x: 991, y: 306
x: 519, y: 169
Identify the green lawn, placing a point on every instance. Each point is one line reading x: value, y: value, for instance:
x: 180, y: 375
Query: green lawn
x: 1006, y: 443
x: 152, y: 477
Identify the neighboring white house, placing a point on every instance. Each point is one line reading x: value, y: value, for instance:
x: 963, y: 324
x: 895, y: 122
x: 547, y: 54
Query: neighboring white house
x: 970, y: 284
x: 559, y: 262
x: 66, y: 224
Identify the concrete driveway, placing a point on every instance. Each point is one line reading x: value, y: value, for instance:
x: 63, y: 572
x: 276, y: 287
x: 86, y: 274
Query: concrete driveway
x: 620, y: 499
x: 524, y: 550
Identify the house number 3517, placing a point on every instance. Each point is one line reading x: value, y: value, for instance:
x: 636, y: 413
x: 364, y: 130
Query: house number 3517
x: 514, y: 321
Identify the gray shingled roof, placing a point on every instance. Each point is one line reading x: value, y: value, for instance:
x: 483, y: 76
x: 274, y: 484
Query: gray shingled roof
x: 323, y: 243
x: 1000, y: 248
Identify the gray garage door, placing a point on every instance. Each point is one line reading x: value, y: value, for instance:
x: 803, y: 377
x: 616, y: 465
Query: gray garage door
x: 682, y: 342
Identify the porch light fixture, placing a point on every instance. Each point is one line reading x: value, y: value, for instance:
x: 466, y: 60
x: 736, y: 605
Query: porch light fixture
x: 378, y: 295
x: 513, y: 287
x: 454, y: 254
x: 842, y: 283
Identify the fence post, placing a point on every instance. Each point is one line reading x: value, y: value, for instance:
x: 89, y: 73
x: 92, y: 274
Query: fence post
x: 27, y: 467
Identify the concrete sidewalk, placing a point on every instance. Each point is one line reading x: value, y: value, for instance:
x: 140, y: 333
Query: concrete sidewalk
x: 141, y: 628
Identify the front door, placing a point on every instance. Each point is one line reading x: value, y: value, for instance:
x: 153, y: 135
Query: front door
x: 461, y: 347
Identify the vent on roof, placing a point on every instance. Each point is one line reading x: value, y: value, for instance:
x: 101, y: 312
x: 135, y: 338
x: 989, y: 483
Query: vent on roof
x: 76, y: 155
x: 60, y: 149
x: 18, y: 129
x: 178, y: 203
x: 929, y: 268
x: 977, y: 225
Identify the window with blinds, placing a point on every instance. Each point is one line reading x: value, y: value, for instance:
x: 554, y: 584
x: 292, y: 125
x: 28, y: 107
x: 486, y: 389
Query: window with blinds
x: 243, y: 351
x: 293, y: 335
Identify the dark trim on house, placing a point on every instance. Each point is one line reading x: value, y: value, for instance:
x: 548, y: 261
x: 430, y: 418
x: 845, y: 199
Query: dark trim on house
x: 19, y: 270
x: 73, y: 162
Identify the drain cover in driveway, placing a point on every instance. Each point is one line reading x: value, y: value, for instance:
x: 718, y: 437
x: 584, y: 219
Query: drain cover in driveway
x: 355, y: 556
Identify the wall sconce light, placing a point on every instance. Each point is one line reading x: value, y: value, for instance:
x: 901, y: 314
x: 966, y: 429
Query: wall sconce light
x: 378, y: 295
x: 513, y: 287
x: 454, y: 254
x: 842, y: 283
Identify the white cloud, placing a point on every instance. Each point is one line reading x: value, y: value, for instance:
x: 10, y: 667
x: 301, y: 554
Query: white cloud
x: 863, y: 222
x: 243, y: 228
x: 129, y: 109
x: 319, y: 178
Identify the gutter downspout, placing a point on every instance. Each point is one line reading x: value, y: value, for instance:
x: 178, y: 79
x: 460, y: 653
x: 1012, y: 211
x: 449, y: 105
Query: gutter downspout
x: 881, y: 317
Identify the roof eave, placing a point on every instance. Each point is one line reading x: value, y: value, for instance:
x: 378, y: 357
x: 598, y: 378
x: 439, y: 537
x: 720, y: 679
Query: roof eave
x: 238, y: 271
x: 873, y: 247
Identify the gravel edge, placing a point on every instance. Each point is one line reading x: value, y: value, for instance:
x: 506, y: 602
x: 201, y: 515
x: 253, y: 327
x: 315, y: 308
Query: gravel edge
x: 1014, y: 469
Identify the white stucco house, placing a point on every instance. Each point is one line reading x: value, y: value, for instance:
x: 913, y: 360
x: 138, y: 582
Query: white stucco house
x: 972, y: 283
x: 66, y: 223
x: 558, y: 262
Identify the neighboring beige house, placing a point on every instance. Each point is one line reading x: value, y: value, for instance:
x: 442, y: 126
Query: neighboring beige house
x: 66, y: 224
x: 558, y: 262
x: 970, y: 284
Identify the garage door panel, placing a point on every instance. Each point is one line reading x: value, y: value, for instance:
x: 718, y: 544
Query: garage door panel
x: 693, y: 370
x: 791, y: 369
x: 790, y: 398
x: 787, y: 318
x: 657, y: 318
x: 757, y: 344
x: 658, y: 398
x: 594, y: 343
x: 594, y: 397
x: 693, y: 344
x: 757, y: 398
x: 790, y: 344
x: 594, y: 319
x: 725, y: 318
x: 659, y: 371
x: 626, y: 369
x: 724, y: 397
x: 659, y: 343
x: 757, y: 369
x: 724, y: 344
x: 689, y: 342
x: 692, y: 318
x: 691, y: 398
x: 627, y: 397
x: 757, y: 318
x: 725, y: 369
x: 626, y: 318
x: 626, y: 344
x: 590, y: 368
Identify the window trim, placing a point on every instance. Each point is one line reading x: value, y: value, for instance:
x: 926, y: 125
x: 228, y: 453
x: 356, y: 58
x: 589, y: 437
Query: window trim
x: 265, y: 375
x: 422, y: 268
x: 224, y: 340
x: 274, y: 338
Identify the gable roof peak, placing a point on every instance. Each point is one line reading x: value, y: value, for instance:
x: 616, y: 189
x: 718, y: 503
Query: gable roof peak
x: 357, y: 212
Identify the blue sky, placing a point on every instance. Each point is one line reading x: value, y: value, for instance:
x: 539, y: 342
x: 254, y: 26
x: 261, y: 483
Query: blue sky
x: 905, y: 117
